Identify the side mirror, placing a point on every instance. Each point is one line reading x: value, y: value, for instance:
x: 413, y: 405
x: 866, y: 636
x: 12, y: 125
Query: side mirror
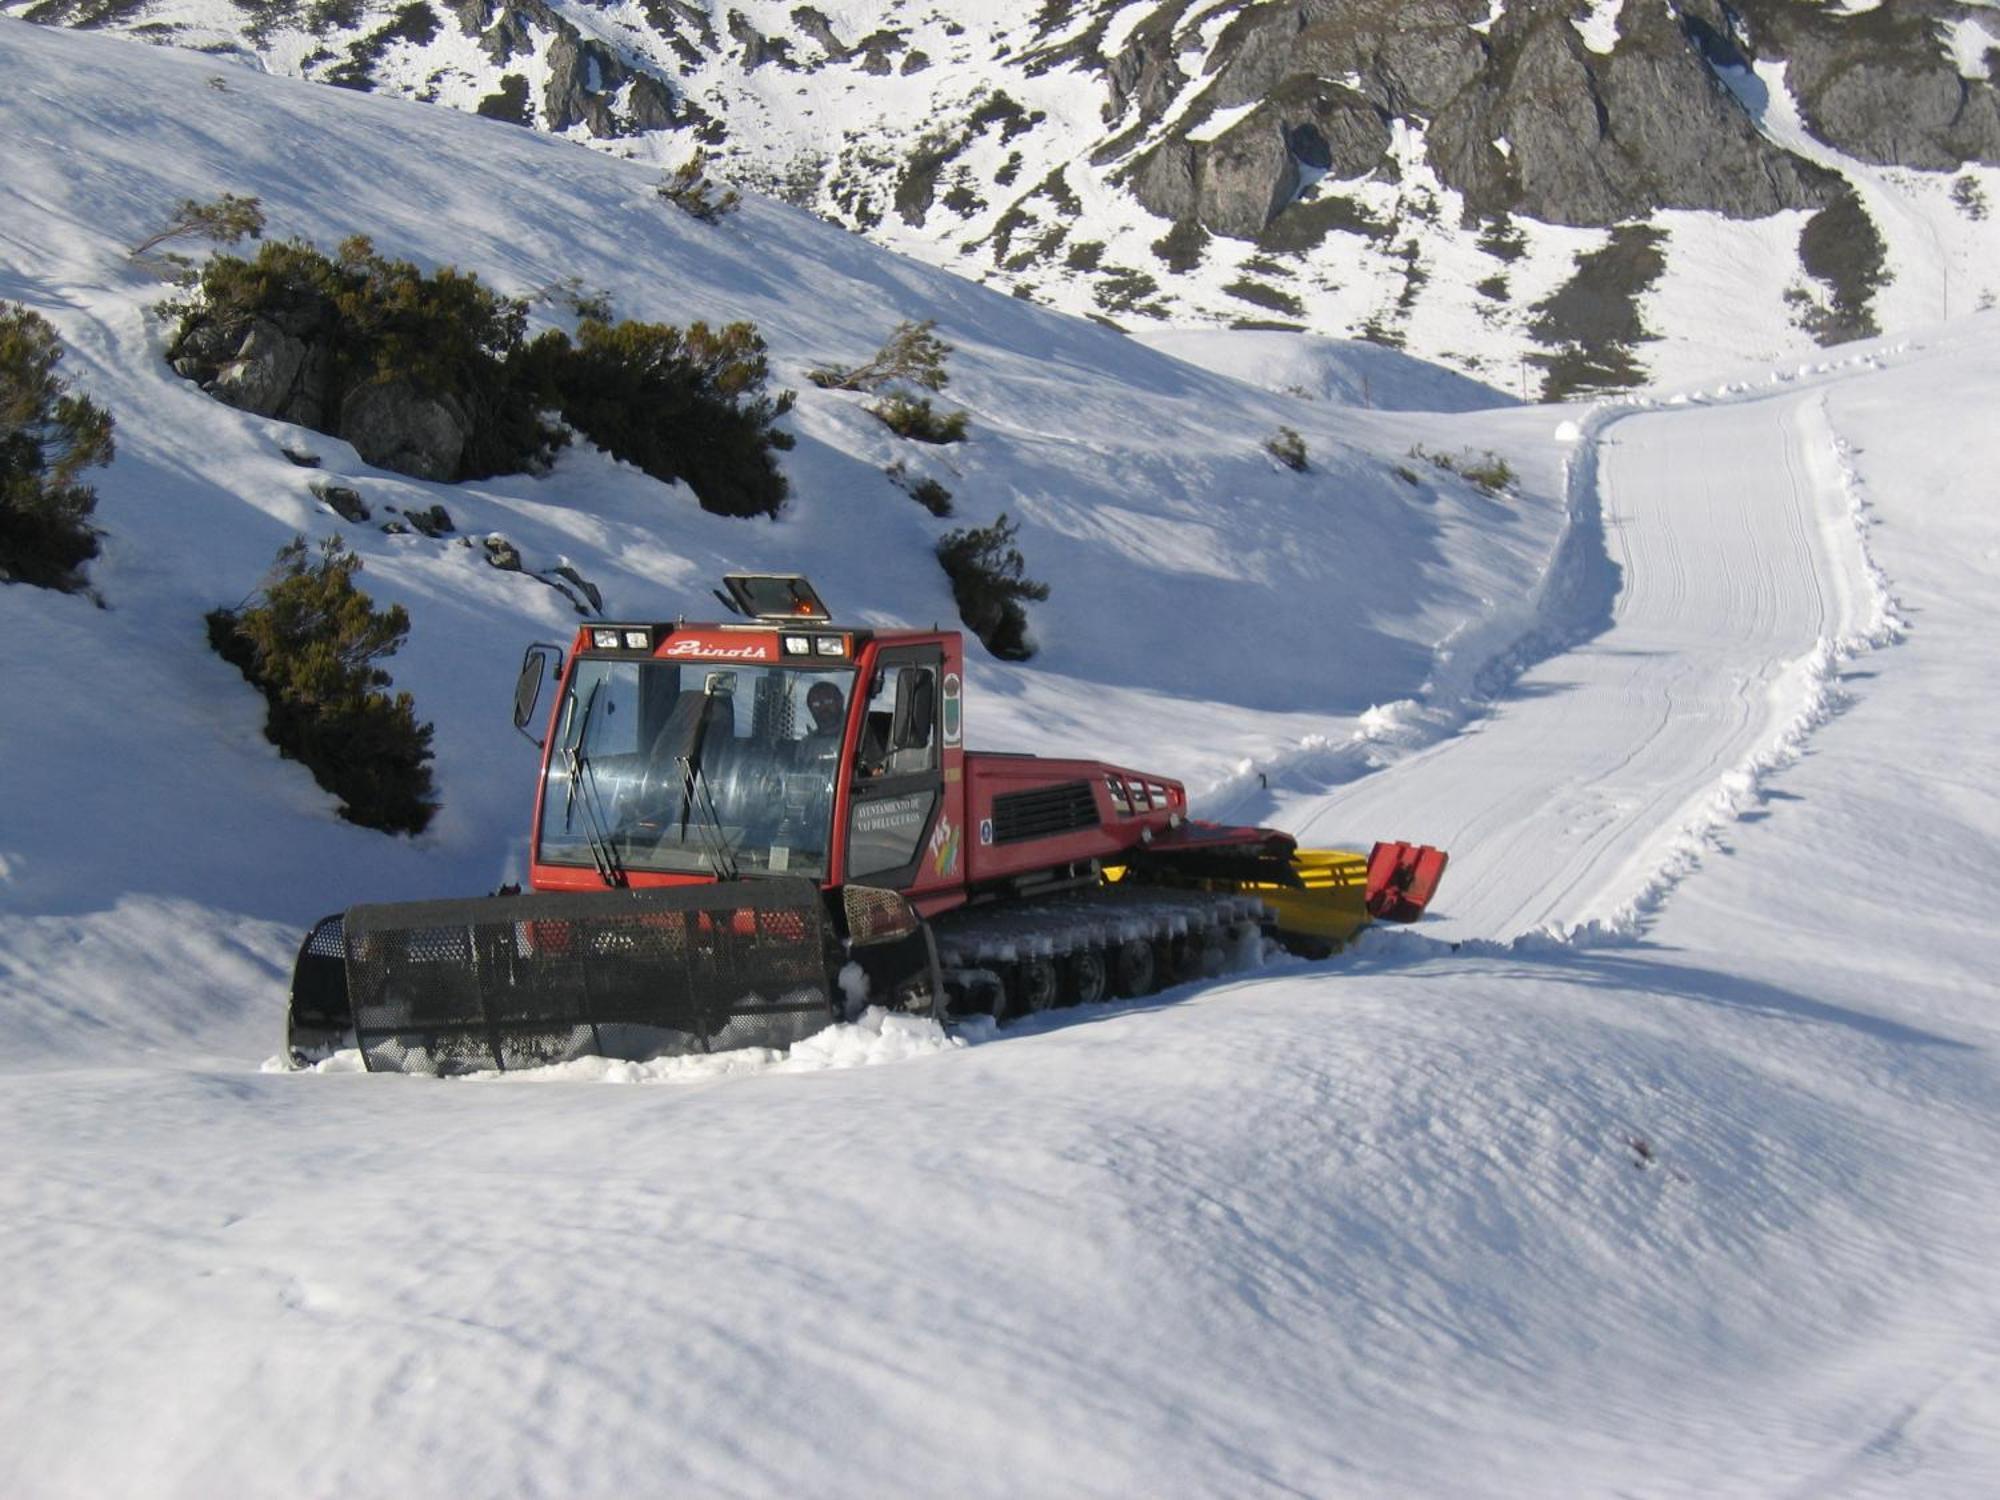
x: 536, y: 663
x: 911, y: 728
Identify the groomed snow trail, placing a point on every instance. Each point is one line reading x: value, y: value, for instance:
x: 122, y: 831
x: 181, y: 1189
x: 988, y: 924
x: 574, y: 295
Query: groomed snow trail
x: 1741, y: 568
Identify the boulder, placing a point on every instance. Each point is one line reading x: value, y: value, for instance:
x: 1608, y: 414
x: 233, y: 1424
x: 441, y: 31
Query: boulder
x: 263, y: 373
x: 395, y: 426
x: 344, y: 500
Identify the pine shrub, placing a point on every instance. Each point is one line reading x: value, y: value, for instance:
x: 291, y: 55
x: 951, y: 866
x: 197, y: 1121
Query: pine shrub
x: 912, y: 355
x: 309, y: 640
x: 680, y: 404
x: 689, y: 188
x: 914, y: 417
x: 224, y: 220
x: 989, y: 580
x: 48, y: 436
x: 1288, y: 448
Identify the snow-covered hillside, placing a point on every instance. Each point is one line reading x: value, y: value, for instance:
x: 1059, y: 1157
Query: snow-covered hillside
x: 1142, y: 161
x: 1668, y: 1174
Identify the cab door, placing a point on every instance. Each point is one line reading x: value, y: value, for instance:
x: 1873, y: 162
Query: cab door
x: 902, y: 832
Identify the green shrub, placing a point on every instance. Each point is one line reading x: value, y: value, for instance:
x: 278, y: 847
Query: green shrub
x: 689, y: 189
x: 1288, y: 448
x: 372, y: 320
x: 912, y: 355
x: 680, y: 404
x: 913, y: 417
x: 47, y: 438
x: 225, y: 220
x: 989, y: 580
x: 928, y: 493
x: 932, y: 496
x: 309, y: 640
x: 1488, y: 471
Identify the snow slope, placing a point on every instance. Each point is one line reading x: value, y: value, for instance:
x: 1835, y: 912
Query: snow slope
x: 1696, y: 1201
x: 980, y: 142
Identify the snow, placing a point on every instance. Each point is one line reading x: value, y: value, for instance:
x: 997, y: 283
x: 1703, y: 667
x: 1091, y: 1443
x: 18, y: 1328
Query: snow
x: 1969, y: 42
x: 1599, y: 27
x: 1657, y: 1162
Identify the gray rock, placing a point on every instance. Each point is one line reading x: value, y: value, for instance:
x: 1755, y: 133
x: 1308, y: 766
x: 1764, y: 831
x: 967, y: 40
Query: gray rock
x: 652, y: 104
x: 300, y: 456
x: 1879, y: 85
x: 589, y: 589
x: 568, y: 98
x: 1411, y: 56
x: 345, y: 500
x: 264, y: 372
x: 820, y: 29
x: 503, y: 554
x: 1145, y: 75
x: 1235, y: 184
x: 877, y: 52
x: 1596, y: 139
x: 433, y: 521
x: 395, y: 426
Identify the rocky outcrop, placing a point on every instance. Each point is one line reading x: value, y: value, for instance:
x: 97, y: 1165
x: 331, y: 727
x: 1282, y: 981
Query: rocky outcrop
x: 1880, y: 85
x: 1236, y: 183
x: 1521, y: 118
x: 279, y: 365
x: 1408, y: 57
x: 1557, y: 132
x: 584, y: 77
x: 394, y: 425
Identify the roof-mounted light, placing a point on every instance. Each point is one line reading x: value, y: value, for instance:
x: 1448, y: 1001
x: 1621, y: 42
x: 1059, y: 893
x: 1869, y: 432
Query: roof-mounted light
x: 621, y: 638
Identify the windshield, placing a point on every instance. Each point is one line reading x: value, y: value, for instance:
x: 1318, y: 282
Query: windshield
x: 756, y: 747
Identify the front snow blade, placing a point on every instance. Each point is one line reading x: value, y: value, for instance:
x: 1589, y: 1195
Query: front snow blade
x: 318, y: 1019
x: 518, y: 981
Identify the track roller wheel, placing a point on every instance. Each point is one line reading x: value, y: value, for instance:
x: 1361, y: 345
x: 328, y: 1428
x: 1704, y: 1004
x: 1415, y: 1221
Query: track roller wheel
x: 1086, y: 977
x: 1032, y: 987
x: 1135, y: 968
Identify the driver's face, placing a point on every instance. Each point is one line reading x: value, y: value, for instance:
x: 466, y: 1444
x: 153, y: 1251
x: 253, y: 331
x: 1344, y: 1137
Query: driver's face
x: 825, y: 711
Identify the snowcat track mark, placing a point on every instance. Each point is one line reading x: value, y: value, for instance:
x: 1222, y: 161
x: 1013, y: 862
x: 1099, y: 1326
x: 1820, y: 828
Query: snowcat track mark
x: 519, y: 981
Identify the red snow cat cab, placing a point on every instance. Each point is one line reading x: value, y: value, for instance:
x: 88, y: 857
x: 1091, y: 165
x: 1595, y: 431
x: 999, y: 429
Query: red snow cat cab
x: 748, y: 829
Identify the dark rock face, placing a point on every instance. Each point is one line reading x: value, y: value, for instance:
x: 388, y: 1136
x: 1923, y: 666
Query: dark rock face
x: 1144, y: 75
x: 1880, y: 85
x: 1593, y: 139
x: 1236, y: 183
x: 1524, y: 118
x: 393, y: 425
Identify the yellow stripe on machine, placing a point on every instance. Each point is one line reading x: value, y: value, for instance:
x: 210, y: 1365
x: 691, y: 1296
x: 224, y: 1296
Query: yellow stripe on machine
x: 1327, y: 907
x: 1330, y: 903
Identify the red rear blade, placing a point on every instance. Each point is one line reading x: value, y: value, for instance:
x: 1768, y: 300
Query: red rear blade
x: 1402, y: 878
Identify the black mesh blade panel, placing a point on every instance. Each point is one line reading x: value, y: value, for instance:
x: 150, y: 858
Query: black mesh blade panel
x: 319, y: 1012
x: 516, y: 981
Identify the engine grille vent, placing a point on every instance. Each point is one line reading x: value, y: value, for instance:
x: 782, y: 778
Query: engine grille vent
x: 1045, y: 811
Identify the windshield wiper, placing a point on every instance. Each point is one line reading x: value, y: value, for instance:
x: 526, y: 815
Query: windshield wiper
x: 603, y: 852
x: 695, y: 794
